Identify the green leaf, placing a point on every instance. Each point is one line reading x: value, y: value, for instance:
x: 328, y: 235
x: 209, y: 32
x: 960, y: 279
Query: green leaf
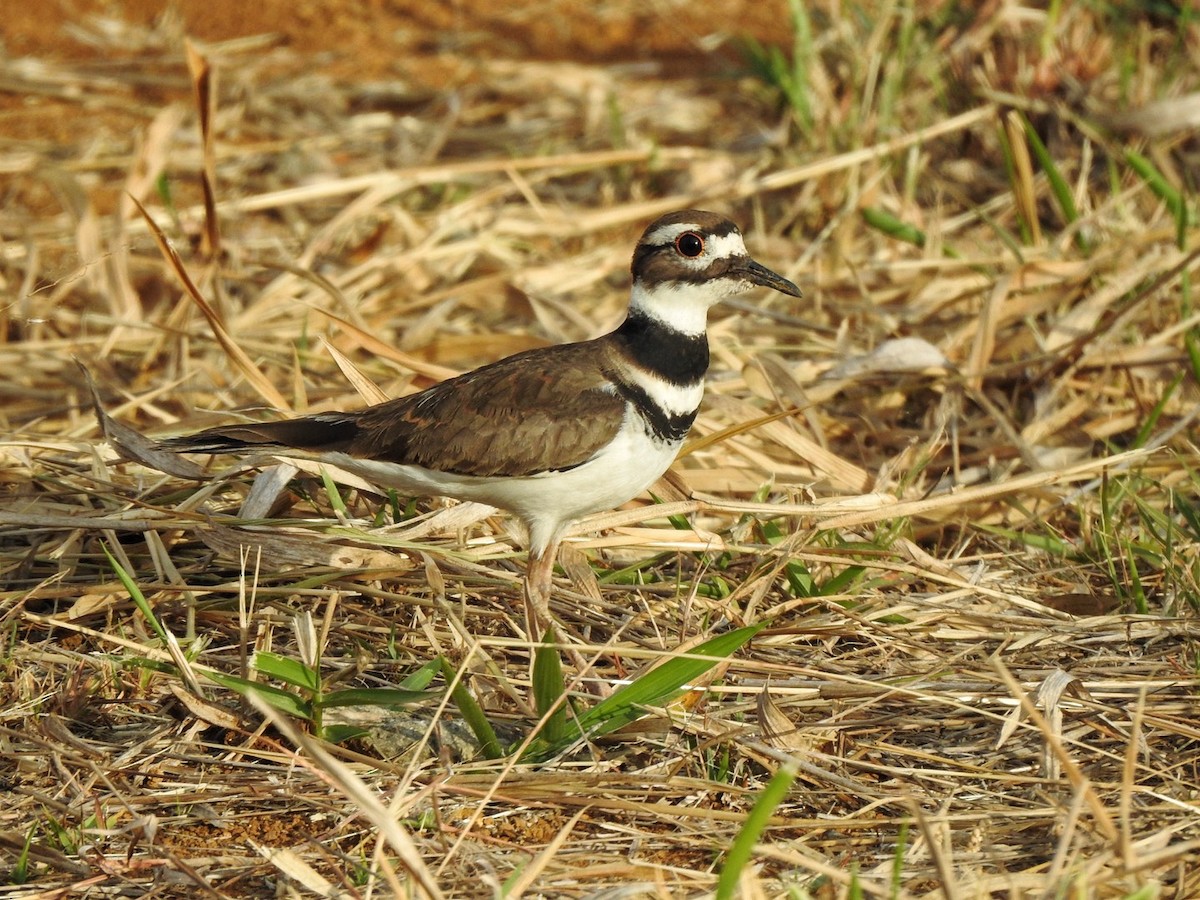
x: 284, y: 701
x: 549, y: 692
x: 376, y: 697
x: 162, y: 185
x: 1136, y: 590
x: 800, y: 580
x: 19, y: 874
x: 423, y: 677
x: 289, y: 670
x: 662, y: 684
x: 898, y: 857
x: 472, y: 713
x: 771, y: 531
x: 154, y: 665
x: 337, y: 734
x: 1192, y: 346
x: 1189, y: 512
x: 841, y: 582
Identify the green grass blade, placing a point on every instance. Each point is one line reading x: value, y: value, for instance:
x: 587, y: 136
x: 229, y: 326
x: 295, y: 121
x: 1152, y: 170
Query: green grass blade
x: 153, y: 665
x: 549, y: 693
x: 897, y: 881
x: 1137, y: 592
x: 423, y: 677
x: 1147, y: 427
x: 892, y: 227
x: 796, y: 84
x: 742, y: 847
x: 285, y: 701
x: 1191, y: 515
x: 472, y: 712
x: 389, y: 697
x: 1045, y: 542
x: 800, y: 580
x: 662, y: 684
x: 335, y: 495
x: 842, y: 581
x: 895, y: 228
x: 1191, y: 344
x: 1157, y: 183
x: 1058, y: 184
x: 338, y: 734
x: 679, y: 521
x: 1010, y: 168
x: 135, y: 593
x: 287, y: 670
x: 19, y: 873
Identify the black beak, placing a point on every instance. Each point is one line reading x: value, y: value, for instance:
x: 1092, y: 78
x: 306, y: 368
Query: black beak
x: 760, y: 274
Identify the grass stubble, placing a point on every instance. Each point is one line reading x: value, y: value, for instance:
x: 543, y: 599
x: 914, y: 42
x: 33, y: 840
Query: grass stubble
x: 957, y: 486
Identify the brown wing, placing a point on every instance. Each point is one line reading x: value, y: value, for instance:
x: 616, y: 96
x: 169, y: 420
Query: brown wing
x: 540, y: 410
x: 536, y: 411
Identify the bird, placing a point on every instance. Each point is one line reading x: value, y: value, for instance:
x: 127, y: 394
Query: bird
x: 555, y: 433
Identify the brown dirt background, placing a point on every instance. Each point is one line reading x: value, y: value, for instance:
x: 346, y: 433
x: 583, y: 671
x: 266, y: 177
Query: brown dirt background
x: 374, y: 37
x: 428, y: 46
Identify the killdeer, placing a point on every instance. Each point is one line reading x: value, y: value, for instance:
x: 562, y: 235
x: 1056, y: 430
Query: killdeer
x: 551, y: 434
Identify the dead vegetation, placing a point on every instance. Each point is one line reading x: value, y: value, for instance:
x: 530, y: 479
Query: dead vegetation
x: 958, y: 482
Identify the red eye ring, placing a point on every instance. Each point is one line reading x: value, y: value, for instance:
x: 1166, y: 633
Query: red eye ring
x: 689, y: 244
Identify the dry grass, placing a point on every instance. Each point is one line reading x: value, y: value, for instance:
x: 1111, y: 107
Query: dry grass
x: 977, y: 550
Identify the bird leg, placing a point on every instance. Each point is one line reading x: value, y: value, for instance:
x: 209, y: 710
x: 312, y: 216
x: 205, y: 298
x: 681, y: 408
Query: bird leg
x: 539, y: 623
x: 537, y: 591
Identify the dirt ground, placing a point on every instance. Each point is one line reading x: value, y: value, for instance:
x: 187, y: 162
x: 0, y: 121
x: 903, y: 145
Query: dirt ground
x: 370, y: 38
x: 426, y: 46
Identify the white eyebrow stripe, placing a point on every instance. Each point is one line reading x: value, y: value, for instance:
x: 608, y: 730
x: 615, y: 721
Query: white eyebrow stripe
x: 725, y: 246
x: 666, y: 234
x: 716, y: 246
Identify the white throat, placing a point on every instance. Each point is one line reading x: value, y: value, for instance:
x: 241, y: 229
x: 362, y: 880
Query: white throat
x: 681, y: 306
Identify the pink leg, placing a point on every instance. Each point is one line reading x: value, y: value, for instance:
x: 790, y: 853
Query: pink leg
x: 538, y: 620
x: 538, y: 583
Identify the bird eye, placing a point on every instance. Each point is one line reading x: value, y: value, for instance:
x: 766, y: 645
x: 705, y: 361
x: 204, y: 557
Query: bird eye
x: 690, y: 244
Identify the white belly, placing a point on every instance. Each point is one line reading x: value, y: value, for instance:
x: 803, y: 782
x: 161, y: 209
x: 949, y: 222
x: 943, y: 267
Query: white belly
x: 547, y: 502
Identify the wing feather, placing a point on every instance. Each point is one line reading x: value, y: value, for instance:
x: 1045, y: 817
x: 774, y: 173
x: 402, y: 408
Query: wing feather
x: 543, y: 410
x: 546, y: 409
